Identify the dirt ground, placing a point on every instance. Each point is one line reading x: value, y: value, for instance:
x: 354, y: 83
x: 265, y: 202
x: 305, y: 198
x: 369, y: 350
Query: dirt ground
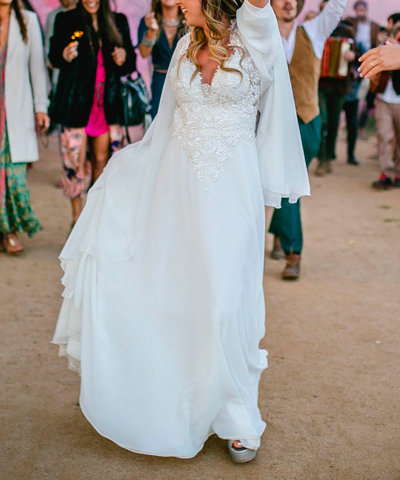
x: 330, y: 396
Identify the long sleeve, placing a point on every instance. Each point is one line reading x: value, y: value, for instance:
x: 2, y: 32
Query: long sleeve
x: 130, y: 63
x: 49, y: 31
x: 58, y: 42
x: 283, y: 170
x: 37, y: 68
x: 320, y: 28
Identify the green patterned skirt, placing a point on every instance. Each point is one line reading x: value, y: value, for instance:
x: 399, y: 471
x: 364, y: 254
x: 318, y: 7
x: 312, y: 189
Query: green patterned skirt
x: 16, y: 214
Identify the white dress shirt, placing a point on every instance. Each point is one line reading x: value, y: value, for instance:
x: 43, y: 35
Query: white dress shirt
x: 364, y: 34
x: 389, y: 95
x: 318, y: 29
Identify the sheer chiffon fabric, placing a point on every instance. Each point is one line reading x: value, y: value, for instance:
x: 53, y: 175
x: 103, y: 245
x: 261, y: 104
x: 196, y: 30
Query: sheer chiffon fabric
x: 163, y: 305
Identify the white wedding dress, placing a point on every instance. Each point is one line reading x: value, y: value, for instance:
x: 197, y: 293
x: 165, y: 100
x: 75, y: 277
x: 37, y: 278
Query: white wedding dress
x: 163, y: 305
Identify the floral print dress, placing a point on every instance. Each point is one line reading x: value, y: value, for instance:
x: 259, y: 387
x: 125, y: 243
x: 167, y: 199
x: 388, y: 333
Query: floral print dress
x: 16, y: 214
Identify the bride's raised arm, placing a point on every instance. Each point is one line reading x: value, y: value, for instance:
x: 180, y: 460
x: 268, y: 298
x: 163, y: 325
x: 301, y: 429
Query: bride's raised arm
x: 283, y: 171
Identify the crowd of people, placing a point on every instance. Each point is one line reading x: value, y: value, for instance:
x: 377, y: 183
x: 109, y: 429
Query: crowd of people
x: 87, y: 48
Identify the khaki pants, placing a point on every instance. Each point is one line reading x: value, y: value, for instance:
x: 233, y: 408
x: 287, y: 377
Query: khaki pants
x: 388, y: 126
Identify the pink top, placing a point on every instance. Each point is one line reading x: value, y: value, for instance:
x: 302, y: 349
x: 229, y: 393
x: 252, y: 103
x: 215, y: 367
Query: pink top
x: 97, y: 124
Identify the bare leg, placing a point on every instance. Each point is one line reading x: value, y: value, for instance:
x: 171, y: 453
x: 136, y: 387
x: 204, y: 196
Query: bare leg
x: 77, y: 202
x: 76, y: 208
x: 100, y: 154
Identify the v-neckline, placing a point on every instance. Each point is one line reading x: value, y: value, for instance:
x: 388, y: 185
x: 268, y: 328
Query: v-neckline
x: 207, y: 85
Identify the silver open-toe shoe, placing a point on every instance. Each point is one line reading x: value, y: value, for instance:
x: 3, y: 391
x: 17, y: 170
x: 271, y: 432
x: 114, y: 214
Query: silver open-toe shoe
x: 240, y: 455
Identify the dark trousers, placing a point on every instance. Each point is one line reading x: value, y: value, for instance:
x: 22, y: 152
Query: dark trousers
x: 351, y: 110
x: 286, y: 221
x: 330, y: 105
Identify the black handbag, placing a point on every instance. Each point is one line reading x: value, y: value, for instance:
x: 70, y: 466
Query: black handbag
x: 136, y: 103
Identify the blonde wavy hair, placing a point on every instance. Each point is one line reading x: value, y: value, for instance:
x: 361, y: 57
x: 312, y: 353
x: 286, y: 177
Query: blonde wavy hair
x: 219, y: 15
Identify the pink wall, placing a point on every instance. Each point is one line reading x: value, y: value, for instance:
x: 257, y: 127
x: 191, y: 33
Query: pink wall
x: 379, y: 9
x: 135, y: 9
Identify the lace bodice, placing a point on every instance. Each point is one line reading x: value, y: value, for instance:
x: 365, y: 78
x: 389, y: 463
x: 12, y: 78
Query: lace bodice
x: 209, y: 119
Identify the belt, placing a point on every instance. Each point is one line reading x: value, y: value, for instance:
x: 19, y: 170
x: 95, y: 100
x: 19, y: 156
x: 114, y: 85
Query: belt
x: 158, y: 70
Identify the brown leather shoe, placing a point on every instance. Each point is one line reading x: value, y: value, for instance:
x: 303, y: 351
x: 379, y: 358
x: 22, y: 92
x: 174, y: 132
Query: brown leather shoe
x: 277, y: 251
x: 320, y: 170
x: 292, y: 269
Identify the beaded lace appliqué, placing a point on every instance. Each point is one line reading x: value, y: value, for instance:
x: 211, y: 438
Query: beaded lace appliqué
x: 209, y: 119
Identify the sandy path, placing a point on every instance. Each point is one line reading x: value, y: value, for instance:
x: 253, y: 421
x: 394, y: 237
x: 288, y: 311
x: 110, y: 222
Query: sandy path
x: 330, y: 396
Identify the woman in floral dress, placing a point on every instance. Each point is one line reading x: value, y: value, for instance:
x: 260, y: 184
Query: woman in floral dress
x: 23, y: 99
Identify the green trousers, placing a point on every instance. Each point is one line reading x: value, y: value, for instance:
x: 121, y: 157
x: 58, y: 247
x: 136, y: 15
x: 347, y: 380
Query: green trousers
x: 286, y: 221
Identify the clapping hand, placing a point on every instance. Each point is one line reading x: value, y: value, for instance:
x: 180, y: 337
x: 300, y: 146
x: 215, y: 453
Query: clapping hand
x: 119, y: 56
x: 70, y: 52
x: 151, y: 22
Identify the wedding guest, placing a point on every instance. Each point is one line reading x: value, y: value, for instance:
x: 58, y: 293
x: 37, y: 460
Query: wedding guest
x: 367, y: 31
x: 304, y: 46
x: 332, y: 94
x: 23, y: 100
x: 350, y: 108
x: 158, y: 35
x: 392, y: 21
x: 92, y: 48
x: 65, y: 5
x: 368, y: 34
x: 387, y: 115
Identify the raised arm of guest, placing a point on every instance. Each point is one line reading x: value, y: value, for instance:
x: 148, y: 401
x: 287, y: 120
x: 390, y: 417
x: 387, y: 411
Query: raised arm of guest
x: 320, y: 28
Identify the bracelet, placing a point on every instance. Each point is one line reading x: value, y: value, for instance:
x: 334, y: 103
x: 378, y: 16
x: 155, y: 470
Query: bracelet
x: 147, y: 42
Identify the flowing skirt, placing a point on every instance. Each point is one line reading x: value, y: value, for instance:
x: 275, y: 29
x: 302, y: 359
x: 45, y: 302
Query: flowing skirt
x: 167, y: 339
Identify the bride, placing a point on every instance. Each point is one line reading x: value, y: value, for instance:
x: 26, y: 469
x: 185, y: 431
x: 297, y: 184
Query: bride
x: 163, y: 306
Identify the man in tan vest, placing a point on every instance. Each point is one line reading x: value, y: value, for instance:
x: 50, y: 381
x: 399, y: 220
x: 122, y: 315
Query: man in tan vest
x: 304, y: 46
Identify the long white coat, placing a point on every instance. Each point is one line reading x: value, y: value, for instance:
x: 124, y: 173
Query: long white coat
x: 25, y: 87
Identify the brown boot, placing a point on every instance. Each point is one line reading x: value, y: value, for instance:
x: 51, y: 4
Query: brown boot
x: 320, y: 171
x: 292, y: 269
x: 277, y: 252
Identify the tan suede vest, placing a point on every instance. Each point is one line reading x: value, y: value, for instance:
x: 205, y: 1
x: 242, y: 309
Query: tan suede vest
x: 305, y: 69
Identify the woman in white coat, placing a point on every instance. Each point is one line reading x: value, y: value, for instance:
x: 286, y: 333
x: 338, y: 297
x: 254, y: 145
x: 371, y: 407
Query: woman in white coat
x: 23, y: 96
